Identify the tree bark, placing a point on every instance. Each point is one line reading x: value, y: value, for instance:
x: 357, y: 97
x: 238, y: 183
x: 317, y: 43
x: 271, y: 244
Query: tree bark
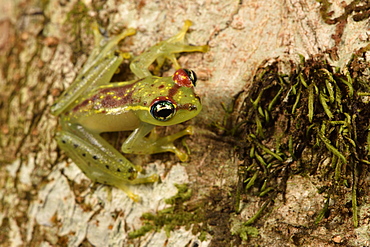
x: 45, y: 198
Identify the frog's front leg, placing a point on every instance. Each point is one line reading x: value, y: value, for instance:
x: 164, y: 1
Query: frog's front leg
x: 137, y: 143
x: 165, y: 50
x: 100, y: 161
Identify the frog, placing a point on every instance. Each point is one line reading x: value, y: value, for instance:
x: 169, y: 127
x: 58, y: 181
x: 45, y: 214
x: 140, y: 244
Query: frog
x: 93, y: 105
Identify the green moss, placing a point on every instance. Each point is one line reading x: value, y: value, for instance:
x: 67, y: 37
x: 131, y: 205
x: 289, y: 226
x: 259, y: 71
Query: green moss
x: 292, y: 124
x: 183, y: 194
x: 178, y: 214
x: 209, y: 216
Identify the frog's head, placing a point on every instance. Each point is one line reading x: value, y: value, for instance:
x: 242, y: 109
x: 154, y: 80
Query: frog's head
x: 179, y: 104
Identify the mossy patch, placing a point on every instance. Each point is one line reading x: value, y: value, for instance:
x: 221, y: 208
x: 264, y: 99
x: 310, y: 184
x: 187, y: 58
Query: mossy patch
x: 169, y: 218
x: 312, y: 121
x: 205, y: 217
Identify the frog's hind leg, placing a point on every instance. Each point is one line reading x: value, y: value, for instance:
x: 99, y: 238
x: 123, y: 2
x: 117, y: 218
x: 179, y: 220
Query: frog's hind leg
x: 166, y: 49
x: 97, y: 70
x: 104, y: 46
x: 100, y: 161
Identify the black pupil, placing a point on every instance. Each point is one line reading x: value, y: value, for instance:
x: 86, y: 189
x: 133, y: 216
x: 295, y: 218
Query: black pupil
x: 164, y: 113
x: 192, y: 76
x: 162, y: 110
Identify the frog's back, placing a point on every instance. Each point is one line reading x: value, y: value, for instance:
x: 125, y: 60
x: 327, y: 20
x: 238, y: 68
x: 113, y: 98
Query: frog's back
x: 122, y: 106
x: 113, y: 107
x: 107, y: 108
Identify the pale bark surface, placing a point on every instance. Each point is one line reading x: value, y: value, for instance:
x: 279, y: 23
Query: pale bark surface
x: 45, y: 200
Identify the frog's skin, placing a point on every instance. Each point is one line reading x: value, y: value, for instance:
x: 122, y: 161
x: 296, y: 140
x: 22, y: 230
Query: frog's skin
x: 92, y: 105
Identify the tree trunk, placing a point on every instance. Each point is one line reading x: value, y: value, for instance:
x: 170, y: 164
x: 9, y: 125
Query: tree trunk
x: 47, y: 201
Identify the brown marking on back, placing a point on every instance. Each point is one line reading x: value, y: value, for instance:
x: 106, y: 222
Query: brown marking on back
x: 107, y: 101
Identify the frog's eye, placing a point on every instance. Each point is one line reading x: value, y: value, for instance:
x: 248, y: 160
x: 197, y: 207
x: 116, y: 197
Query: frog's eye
x: 185, y: 78
x: 163, y: 110
x: 192, y: 76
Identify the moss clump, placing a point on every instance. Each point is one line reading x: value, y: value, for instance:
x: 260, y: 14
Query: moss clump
x: 209, y: 216
x: 312, y: 121
x: 168, y: 219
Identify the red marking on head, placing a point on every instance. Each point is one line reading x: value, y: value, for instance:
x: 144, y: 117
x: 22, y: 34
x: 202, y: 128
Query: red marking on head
x: 162, y: 98
x: 182, y: 79
x: 173, y: 90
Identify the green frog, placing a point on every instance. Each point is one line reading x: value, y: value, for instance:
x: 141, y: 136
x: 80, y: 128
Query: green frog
x: 92, y: 105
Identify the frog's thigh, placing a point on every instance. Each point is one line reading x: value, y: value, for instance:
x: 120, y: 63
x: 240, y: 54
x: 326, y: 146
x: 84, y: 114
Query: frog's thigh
x: 77, y: 151
x: 100, y: 73
x: 90, y: 160
x: 97, y: 70
x: 99, y: 166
